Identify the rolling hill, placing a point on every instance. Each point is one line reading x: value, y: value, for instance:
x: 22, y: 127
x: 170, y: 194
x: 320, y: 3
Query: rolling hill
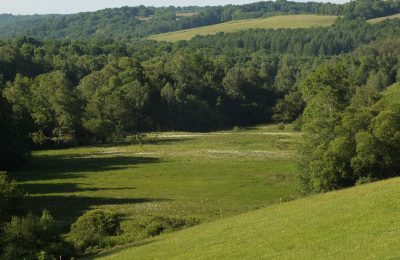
x: 356, y: 223
x: 275, y: 22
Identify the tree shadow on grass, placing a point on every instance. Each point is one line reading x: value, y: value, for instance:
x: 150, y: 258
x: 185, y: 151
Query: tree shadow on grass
x: 67, y: 209
x: 150, y: 141
x: 120, y: 248
x: 48, y: 167
x: 44, y: 188
x: 58, y: 168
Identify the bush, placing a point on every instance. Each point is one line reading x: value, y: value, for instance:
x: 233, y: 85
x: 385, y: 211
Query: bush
x: 281, y: 126
x: 297, y: 124
x: 161, y: 224
x: 138, y: 139
x: 33, y: 237
x: 10, y: 197
x: 365, y: 180
x: 92, y: 229
x: 236, y: 128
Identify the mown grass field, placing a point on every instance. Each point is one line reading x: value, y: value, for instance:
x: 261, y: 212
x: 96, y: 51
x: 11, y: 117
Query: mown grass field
x: 204, y: 175
x: 380, y: 19
x: 275, y: 22
x: 357, y: 223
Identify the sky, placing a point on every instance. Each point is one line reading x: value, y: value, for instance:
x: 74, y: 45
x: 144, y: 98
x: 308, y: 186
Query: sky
x: 75, y: 6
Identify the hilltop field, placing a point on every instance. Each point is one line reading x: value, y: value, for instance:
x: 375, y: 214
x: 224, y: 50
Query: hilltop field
x: 275, y: 22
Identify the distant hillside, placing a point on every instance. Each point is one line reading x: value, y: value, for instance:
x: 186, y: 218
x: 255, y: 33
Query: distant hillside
x: 357, y: 223
x: 127, y: 23
x: 380, y: 19
x: 275, y: 22
x: 137, y: 22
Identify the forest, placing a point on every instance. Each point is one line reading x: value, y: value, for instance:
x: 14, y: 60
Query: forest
x: 64, y: 85
x: 65, y: 93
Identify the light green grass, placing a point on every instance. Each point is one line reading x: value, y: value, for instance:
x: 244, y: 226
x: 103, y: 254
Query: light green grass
x: 380, y: 19
x: 392, y: 94
x: 357, y: 223
x: 275, y: 22
x: 205, y: 175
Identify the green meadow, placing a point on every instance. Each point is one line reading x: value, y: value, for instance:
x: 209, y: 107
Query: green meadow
x: 208, y: 176
x: 275, y: 22
x: 357, y: 223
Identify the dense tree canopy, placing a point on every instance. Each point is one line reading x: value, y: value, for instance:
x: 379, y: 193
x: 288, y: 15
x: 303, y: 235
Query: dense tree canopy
x: 58, y: 93
x: 351, y: 135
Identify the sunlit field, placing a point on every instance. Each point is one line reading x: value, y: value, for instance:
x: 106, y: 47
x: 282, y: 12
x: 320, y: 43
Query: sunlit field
x: 275, y: 22
x: 208, y: 176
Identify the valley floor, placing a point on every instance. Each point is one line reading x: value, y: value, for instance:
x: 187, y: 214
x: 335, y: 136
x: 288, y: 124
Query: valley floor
x: 204, y: 175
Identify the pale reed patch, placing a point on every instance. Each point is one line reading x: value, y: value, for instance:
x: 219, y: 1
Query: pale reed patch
x: 219, y: 154
x: 191, y: 135
x: 114, y: 150
x: 250, y: 154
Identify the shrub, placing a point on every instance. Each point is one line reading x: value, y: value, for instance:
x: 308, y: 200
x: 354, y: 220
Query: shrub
x: 33, y: 237
x: 236, y: 128
x: 297, y: 124
x: 39, y: 139
x: 161, y: 224
x: 365, y: 180
x: 93, y: 227
x: 281, y: 126
x: 9, y: 198
x: 138, y: 139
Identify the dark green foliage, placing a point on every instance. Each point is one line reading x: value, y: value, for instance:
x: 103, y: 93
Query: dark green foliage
x: 13, y: 147
x: 92, y: 228
x: 349, y: 137
x: 370, y: 8
x: 342, y: 37
x: 10, y: 198
x: 31, y: 236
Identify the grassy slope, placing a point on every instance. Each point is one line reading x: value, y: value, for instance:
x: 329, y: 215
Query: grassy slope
x: 206, y: 175
x: 392, y: 93
x: 275, y: 22
x: 380, y: 19
x: 357, y: 223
